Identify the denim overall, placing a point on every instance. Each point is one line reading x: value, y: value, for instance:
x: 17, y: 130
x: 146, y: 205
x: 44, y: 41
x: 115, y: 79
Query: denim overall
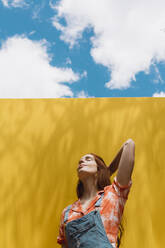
x: 87, y: 231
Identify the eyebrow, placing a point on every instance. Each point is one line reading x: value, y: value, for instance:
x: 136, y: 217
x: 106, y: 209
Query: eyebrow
x: 88, y: 156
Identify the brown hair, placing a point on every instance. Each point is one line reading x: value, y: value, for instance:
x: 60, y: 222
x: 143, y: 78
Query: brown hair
x: 103, y: 180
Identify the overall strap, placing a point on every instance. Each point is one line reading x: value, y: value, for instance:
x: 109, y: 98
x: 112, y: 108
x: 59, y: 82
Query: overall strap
x: 99, y: 201
x: 67, y: 213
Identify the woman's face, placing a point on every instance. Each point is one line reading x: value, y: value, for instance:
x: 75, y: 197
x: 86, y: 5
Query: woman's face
x: 87, y: 165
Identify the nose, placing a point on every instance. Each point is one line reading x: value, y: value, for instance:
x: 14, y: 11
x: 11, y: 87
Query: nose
x: 81, y: 161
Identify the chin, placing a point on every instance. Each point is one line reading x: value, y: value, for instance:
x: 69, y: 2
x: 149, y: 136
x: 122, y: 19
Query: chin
x: 82, y: 173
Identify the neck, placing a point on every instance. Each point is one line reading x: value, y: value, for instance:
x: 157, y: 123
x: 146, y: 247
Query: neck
x: 90, y: 188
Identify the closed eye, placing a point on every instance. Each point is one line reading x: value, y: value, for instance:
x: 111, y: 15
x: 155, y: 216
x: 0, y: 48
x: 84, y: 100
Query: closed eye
x: 88, y: 158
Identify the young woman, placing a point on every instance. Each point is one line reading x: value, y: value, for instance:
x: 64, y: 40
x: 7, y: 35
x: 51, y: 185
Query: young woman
x: 93, y: 221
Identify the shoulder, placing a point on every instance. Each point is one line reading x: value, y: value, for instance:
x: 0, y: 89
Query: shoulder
x: 65, y: 211
x: 118, y: 189
x: 69, y: 207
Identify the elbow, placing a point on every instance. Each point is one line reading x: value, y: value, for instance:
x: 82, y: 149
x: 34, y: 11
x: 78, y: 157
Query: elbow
x: 130, y: 142
x: 130, y: 149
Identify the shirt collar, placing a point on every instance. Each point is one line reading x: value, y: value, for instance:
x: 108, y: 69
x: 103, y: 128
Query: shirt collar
x: 76, y: 206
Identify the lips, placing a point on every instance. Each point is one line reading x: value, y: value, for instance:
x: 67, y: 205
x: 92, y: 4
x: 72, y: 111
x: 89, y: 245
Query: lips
x: 81, y: 165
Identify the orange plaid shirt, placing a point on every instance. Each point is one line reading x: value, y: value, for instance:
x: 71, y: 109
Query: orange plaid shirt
x: 111, y: 210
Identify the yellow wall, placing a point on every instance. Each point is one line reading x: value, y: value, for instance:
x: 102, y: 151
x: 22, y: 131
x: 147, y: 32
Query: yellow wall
x: 40, y: 143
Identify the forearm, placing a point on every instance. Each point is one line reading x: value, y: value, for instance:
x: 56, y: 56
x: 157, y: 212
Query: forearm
x: 115, y: 163
x: 126, y: 164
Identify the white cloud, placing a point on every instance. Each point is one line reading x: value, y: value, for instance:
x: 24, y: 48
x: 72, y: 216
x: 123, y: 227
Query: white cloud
x: 37, y: 10
x: 32, y: 32
x: 68, y: 61
x: 128, y: 37
x: 84, y: 74
x: 158, y: 75
x: 14, y: 3
x: 5, y: 3
x: 83, y: 94
x: 26, y: 72
x: 161, y: 94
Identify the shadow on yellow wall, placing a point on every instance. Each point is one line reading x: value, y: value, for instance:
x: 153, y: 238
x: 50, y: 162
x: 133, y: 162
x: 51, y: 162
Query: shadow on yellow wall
x: 40, y: 145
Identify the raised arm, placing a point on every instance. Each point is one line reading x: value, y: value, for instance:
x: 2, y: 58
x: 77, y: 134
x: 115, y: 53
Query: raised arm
x: 124, y: 162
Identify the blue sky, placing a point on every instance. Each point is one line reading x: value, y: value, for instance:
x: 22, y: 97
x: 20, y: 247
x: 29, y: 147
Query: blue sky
x: 80, y: 48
